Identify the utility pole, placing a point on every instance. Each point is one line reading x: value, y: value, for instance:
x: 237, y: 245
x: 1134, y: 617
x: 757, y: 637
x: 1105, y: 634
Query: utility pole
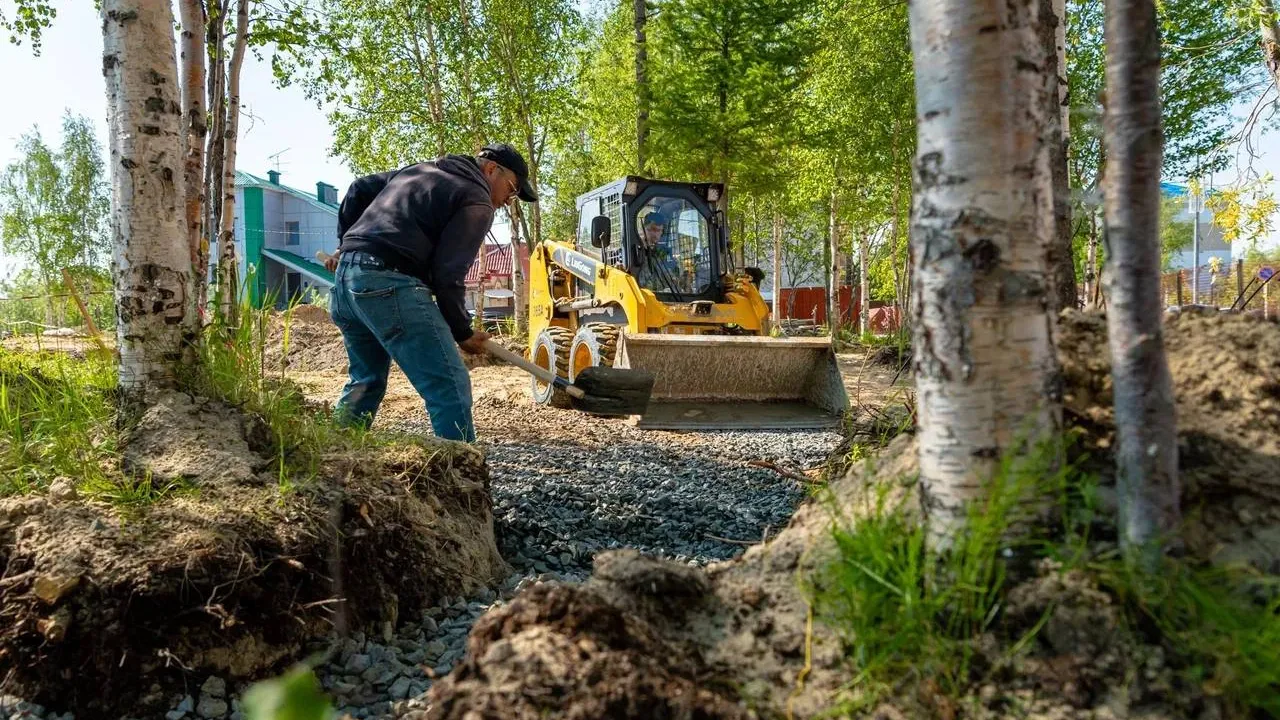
x: 1195, y: 248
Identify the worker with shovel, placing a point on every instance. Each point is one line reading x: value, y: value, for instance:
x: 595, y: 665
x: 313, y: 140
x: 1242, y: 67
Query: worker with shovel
x: 406, y: 240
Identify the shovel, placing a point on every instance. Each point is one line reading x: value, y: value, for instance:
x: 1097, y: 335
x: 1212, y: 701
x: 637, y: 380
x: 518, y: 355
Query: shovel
x: 596, y: 390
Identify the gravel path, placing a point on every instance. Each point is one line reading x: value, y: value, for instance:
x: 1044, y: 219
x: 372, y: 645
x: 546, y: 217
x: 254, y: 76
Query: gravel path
x: 558, y: 503
x: 564, y: 488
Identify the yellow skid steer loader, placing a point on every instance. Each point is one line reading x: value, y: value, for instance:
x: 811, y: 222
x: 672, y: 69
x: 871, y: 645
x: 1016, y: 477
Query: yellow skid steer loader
x: 649, y: 284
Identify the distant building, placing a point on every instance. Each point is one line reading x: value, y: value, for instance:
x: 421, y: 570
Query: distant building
x: 278, y: 230
x: 1212, y: 245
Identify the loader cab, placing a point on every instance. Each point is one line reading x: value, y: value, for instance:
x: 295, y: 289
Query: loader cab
x: 670, y: 236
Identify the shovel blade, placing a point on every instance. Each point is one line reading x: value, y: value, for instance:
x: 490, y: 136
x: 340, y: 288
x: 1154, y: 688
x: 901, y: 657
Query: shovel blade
x: 613, y: 391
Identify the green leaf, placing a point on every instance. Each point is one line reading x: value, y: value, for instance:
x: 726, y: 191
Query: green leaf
x: 295, y: 695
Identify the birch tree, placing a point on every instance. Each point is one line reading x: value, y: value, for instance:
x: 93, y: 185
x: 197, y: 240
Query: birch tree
x: 1147, y: 453
x: 154, y: 293
x: 195, y: 130
x: 986, y: 374
x: 228, y: 283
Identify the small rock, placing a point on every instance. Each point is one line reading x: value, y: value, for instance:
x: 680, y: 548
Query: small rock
x: 174, y: 715
x: 357, y: 664
x: 400, y: 688
x: 97, y: 525
x: 237, y: 715
x: 54, y: 627
x: 62, y: 489
x: 53, y: 587
x: 212, y: 708
x: 429, y: 625
x: 187, y: 705
x: 214, y: 686
x: 435, y: 649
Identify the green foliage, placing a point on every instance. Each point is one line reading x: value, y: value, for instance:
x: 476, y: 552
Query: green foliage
x: 726, y: 76
x: 54, y: 204
x: 1175, y: 235
x: 29, y: 20
x: 295, y: 695
x: 57, y: 418
x: 1212, y: 619
x: 28, y: 301
x: 1208, y: 61
x: 1245, y: 212
x: 906, y: 611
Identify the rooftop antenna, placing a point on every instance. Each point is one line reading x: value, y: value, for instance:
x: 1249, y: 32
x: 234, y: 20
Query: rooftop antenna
x: 275, y: 159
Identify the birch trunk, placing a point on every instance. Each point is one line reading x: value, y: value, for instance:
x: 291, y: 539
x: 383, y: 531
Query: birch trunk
x: 155, y: 303
x: 1091, y: 261
x: 864, y: 286
x: 833, y: 267
x: 988, y: 382
x: 195, y: 128
x: 429, y: 74
x: 777, y: 269
x: 1270, y: 31
x: 1062, y: 255
x: 1147, y: 453
x: 521, y: 301
x: 469, y: 90
x: 641, y: 17
x: 216, y: 40
x: 227, y: 265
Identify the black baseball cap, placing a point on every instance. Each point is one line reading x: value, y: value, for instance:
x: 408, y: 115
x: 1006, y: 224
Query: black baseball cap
x: 509, y: 158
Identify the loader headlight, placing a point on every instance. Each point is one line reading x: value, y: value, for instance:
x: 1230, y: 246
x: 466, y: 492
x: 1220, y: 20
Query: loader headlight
x: 713, y: 194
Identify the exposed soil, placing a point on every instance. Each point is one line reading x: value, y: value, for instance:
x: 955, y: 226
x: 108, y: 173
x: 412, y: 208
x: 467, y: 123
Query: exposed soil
x: 229, y: 572
x: 648, y: 638
x: 1226, y: 375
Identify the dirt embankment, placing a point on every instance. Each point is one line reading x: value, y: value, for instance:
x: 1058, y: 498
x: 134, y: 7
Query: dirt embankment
x: 650, y: 639
x: 233, y: 569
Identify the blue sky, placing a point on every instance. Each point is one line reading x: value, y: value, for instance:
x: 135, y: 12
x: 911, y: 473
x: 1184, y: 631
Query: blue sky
x: 68, y: 75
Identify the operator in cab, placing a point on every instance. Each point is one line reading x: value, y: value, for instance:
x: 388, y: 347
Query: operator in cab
x: 406, y: 240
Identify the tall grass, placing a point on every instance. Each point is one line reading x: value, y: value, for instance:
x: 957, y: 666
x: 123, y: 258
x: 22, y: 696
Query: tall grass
x: 907, y: 613
x: 233, y: 367
x: 57, y: 419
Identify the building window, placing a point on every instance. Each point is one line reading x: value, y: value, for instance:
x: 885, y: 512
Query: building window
x: 291, y: 234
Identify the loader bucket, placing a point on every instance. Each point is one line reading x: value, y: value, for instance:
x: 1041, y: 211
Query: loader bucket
x: 732, y: 382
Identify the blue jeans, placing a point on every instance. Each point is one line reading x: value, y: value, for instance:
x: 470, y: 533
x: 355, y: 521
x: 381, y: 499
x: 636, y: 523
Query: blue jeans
x: 385, y: 315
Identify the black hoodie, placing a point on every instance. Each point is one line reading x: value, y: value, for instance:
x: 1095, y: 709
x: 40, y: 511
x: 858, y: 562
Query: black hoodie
x: 426, y: 220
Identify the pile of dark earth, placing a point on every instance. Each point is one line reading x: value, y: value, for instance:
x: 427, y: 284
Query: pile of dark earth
x: 690, y: 497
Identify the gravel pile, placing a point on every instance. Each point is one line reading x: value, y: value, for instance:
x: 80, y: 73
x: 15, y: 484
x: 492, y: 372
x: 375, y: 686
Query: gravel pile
x: 689, y: 497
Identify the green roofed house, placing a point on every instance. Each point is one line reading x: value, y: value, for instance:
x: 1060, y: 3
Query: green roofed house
x: 278, y: 230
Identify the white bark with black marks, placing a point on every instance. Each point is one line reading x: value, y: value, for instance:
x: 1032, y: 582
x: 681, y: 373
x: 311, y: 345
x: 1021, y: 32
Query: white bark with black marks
x: 987, y: 378
x: 833, y: 268
x: 1146, y: 428
x: 155, y: 302
x: 228, y: 281
x: 777, y: 268
x: 195, y: 128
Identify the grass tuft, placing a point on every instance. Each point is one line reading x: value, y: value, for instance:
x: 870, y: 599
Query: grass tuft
x: 909, y: 615
x: 57, y: 419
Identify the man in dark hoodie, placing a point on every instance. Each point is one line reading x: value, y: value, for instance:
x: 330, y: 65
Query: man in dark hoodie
x: 407, y: 238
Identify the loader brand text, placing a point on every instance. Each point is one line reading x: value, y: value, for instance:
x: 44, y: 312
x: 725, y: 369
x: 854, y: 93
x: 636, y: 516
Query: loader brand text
x: 579, y: 265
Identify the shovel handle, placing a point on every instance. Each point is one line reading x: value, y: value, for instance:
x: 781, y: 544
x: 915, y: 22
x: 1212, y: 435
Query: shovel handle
x: 542, y: 374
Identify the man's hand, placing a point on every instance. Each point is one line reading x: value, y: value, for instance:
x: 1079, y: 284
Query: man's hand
x: 475, y: 343
x: 331, y: 261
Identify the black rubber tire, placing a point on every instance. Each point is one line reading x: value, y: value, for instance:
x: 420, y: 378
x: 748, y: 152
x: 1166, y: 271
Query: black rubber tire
x: 553, y: 342
x: 600, y: 343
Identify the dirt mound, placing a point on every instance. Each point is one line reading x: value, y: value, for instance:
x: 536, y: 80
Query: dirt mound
x: 581, y: 652
x: 1226, y: 382
x: 310, y: 342
x: 221, y: 567
x: 742, y: 640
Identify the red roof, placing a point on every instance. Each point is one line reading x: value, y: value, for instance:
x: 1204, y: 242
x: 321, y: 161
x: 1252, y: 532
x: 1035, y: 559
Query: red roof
x: 495, y: 262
